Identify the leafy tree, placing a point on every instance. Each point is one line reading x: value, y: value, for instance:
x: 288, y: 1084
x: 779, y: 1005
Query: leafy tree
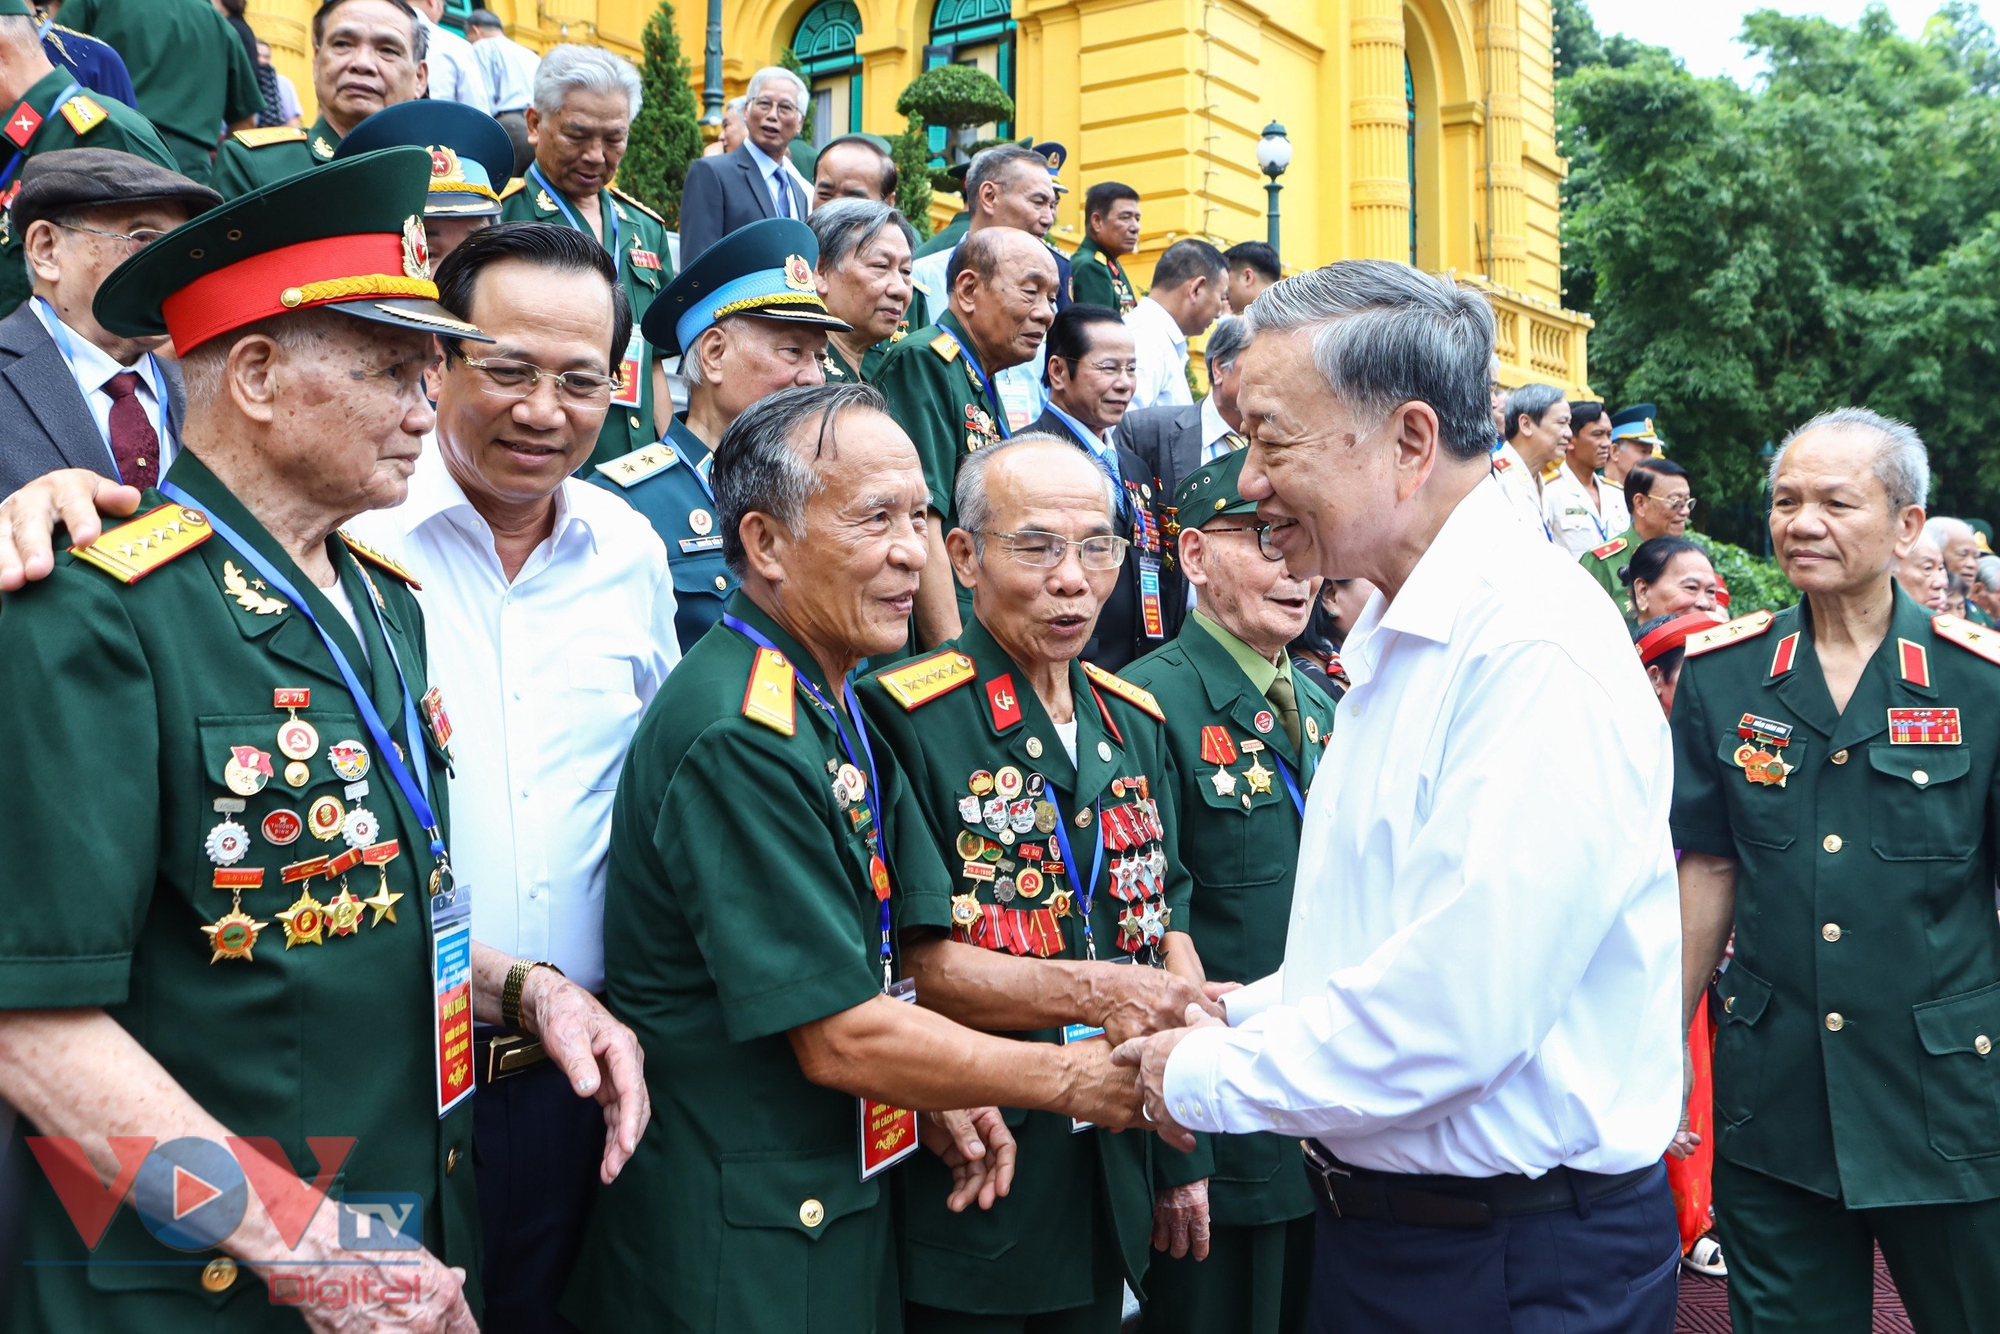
x: 1830, y: 235
x: 666, y: 135
x: 955, y: 98
x: 790, y: 60
x: 912, y: 153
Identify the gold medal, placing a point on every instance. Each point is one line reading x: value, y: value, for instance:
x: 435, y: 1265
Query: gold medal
x: 1028, y: 884
x: 233, y: 935
x: 305, y: 921
x: 298, y: 739
x: 980, y: 783
x: 247, y: 770
x: 1312, y: 729
x: 964, y: 910
x: 1045, y: 817
x: 970, y: 845
x: 324, y: 818
x: 344, y: 913
x: 1258, y: 776
x: 298, y: 773
x: 1008, y: 782
x: 1059, y: 903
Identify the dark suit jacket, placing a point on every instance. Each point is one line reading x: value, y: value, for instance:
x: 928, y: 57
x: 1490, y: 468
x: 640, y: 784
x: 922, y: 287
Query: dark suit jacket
x: 1168, y: 439
x: 1120, y: 634
x: 723, y: 193
x: 44, y: 422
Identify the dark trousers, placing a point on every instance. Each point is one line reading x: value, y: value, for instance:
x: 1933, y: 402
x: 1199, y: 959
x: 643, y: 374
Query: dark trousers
x: 1613, y: 1270
x: 537, y: 1147
x: 1800, y: 1263
x: 1256, y: 1280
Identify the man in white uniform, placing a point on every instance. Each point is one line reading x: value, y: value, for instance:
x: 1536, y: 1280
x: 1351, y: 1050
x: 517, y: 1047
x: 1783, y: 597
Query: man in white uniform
x: 1476, y: 1026
x: 1583, y: 508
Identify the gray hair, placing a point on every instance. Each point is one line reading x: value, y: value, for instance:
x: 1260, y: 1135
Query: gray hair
x: 306, y: 334
x: 969, y: 499
x: 996, y: 164
x: 1226, y: 342
x: 1943, y: 527
x: 571, y: 68
x: 1530, y: 400
x: 1989, y: 573
x: 771, y: 74
x: 1384, y: 334
x: 1902, y: 464
x: 759, y: 466
x: 847, y: 225
x: 736, y: 104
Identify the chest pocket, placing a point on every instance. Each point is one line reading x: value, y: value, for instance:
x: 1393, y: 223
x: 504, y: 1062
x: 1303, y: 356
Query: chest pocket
x: 603, y: 707
x: 1920, y: 806
x: 1239, y: 836
x: 1763, y: 814
x: 282, y: 823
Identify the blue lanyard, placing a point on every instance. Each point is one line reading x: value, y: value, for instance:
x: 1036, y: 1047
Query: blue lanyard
x: 700, y: 470
x: 985, y: 381
x: 415, y: 791
x: 1291, y: 785
x: 60, y: 332
x: 21, y: 154
x: 880, y: 842
x: 573, y: 218
x: 1086, y: 889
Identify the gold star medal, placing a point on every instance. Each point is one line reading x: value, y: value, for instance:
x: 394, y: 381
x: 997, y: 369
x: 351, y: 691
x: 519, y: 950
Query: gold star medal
x: 344, y: 913
x: 233, y: 935
x: 1259, y: 776
x: 383, y: 902
x: 305, y: 921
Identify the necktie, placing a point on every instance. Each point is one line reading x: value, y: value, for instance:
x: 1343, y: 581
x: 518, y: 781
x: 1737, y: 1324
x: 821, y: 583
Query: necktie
x: 1235, y: 442
x: 782, y: 191
x: 1286, y: 701
x: 134, y: 443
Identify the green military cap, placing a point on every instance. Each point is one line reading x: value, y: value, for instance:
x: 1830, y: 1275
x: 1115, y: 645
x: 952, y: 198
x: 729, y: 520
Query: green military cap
x: 471, y: 155
x: 348, y: 237
x: 1211, y: 490
x: 764, y: 269
x: 16, y: 9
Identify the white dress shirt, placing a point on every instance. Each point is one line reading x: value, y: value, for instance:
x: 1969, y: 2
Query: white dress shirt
x: 544, y: 680
x: 509, y: 70
x: 1215, y: 434
x: 1581, y: 523
x: 777, y: 184
x: 93, y: 369
x: 1522, y: 489
x: 454, y: 70
x: 1162, y: 353
x: 1475, y: 982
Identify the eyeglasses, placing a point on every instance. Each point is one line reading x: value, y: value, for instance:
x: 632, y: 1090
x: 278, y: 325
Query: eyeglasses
x: 1129, y: 369
x: 1266, y: 546
x: 764, y: 106
x: 136, y: 240
x: 1685, y: 505
x: 520, y: 379
x: 1045, y: 551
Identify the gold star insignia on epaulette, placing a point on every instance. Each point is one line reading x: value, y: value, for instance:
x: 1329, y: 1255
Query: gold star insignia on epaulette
x: 134, y: 549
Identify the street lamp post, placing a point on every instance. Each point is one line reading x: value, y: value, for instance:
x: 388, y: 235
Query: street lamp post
x: 711, y: 74
x: 1274, y: 154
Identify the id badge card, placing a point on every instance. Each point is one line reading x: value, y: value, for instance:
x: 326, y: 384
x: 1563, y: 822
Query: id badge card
x: 1149, y: 595
x: 888, y: 1134
x: 631, y: 382
x: 451, y: 985
x: 1080, y: 1033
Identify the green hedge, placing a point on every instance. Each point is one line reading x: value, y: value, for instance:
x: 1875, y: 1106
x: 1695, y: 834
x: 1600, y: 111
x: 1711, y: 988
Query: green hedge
x: 1755, y: 584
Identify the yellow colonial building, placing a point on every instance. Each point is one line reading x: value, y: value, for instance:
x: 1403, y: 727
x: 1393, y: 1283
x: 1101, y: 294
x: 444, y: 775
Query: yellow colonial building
x: 1422, y: 130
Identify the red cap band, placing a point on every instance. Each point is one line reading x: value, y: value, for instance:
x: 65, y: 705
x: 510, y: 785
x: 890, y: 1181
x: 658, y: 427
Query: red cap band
x: 1674, y: 634
x: 253, y: 289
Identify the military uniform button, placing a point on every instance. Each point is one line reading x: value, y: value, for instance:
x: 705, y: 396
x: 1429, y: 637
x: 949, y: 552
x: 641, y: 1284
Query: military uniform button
x: 1729, y: 1005
x: 1982, y: 1044
x: 1034, y: 748
x: 1830, y: 932
x: 1831, y: 842
x: 1919, y: 777
x: 721, y: 583
x: 812, y: 1213
x: 450, y: 1159
x: 1083, y: 818
x: 1104, y: 750
x: 1840, y: 757
x: 1835, y: 1021
x: 219, y: 1274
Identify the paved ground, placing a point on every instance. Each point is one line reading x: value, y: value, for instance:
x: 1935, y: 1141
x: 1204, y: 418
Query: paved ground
x: 1705, y: 1305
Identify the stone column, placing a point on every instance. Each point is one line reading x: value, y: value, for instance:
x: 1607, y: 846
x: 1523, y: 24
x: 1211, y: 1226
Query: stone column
x: 1506, y: 211
x: 1378, y: 121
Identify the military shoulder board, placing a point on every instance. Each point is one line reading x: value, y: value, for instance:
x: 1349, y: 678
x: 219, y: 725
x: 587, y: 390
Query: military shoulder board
x: 945, y: 346
x: 1734, y: 632
x: 513, y: 187
x: 924, y: 680
x: 634, y: 468
x: 84, y: 114
x: 274, y: 134
x: 133, y: 550
x: 1609, y: 549
x: 768, y: 697
x: 1137, y: 696
x: 1977, y: 639
x: 378, y: 560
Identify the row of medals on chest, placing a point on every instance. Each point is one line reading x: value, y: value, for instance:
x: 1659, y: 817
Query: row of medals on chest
x: 1011, y: 806
x: 307, y: 921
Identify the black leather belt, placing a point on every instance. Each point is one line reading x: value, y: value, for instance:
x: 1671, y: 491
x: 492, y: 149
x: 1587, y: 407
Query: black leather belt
x: 1447, y: 1201
x: 498, y: 1055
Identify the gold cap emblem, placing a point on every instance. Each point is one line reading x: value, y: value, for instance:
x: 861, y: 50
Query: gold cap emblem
x: 798, y: 273
x: 416, y: 249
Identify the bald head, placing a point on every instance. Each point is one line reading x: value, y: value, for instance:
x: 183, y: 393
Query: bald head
x: 1003, y: 292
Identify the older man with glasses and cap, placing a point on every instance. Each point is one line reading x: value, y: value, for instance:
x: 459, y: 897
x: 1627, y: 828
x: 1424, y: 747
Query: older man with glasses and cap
x: 1246, y: 732
x: 470, y: 159
x: 746, y: 321
x: 580, y: 125
x: 207, y: 975
x: 75, y: 394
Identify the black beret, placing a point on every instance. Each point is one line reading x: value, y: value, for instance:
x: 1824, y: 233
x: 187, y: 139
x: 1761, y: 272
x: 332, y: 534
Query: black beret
x: 70, y: 179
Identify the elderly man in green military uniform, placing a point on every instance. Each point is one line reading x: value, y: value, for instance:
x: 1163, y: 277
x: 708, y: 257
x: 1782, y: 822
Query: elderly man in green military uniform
x: 1836, y: 782
x: 863, y: 274
x: 580, y: 124
x: 1658, y: 494
x: 1246, y: 733
x: 202, y: 926
x: 367, y: 55
x: 47, y: 110
x: 763, y: 845
x: 1111, y: 232
x: 746, y: 321
x: 1047, y: 783
x: 939, y: 383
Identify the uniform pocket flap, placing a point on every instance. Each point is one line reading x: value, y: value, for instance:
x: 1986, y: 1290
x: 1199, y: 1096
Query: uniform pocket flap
x: 1744, y: 995
x: 806, y: 1194
x: 1965, y: 1023
x: 1921, y: 766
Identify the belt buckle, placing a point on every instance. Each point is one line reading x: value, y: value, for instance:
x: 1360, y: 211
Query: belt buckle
x: 509, y: 1054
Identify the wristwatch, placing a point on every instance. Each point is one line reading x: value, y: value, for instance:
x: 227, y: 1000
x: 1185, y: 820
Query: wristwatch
x: 510, y: 992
